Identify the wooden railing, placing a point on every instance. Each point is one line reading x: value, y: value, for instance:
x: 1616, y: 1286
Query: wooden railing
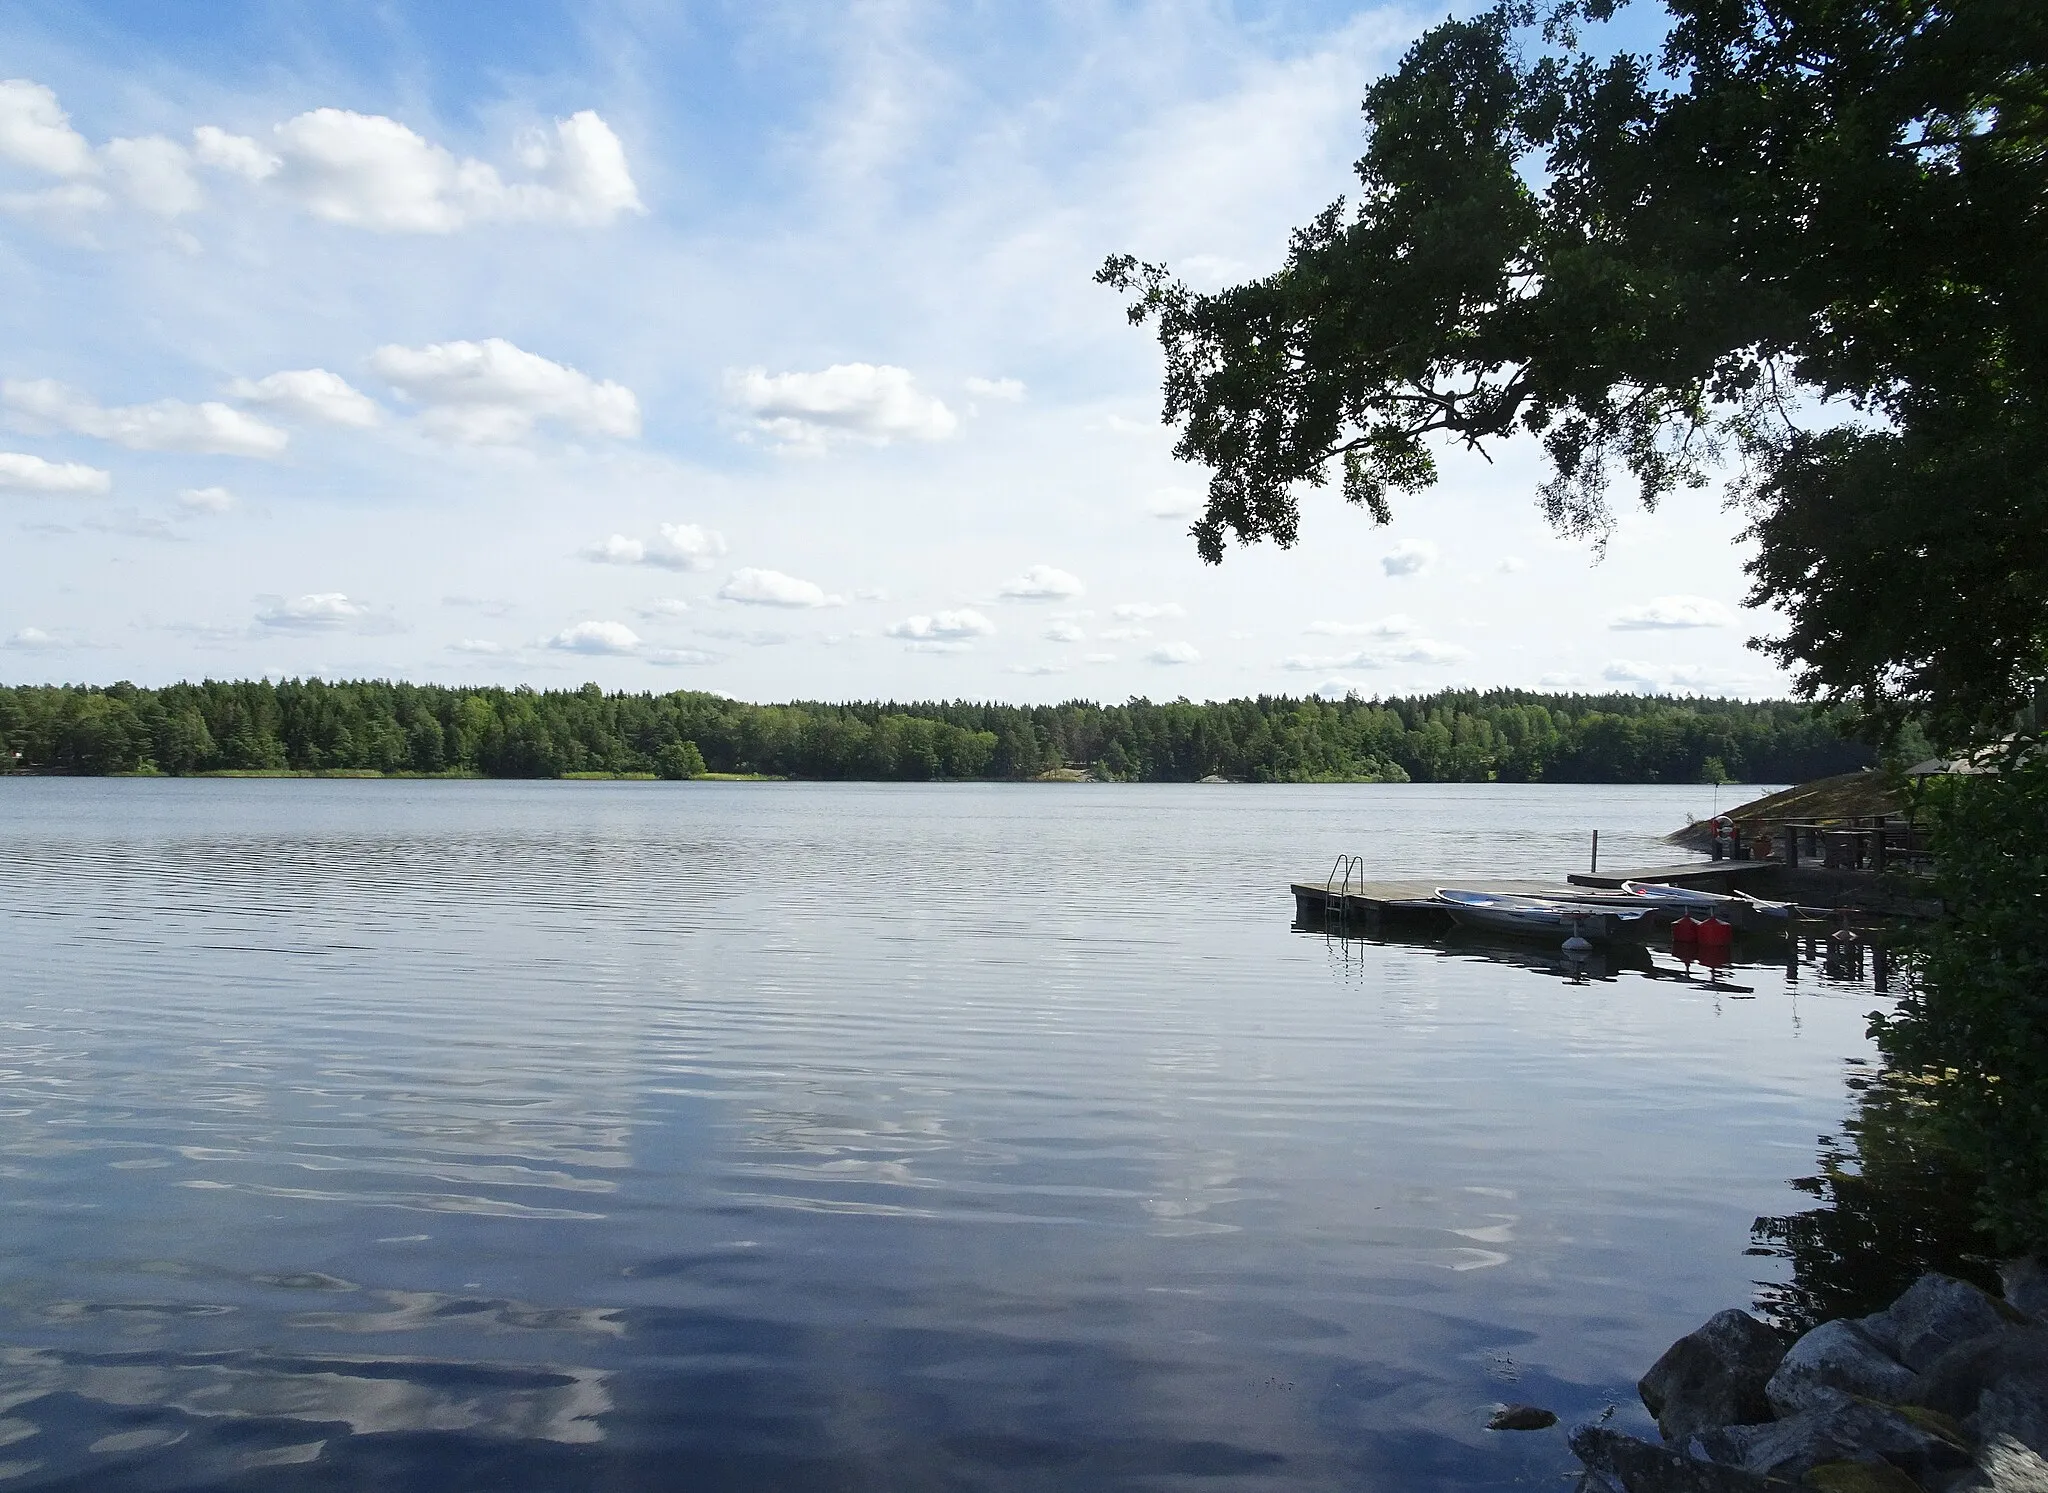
x: 1880, y: 843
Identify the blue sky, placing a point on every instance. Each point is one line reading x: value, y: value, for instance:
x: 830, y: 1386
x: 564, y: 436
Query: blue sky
x: 740, y: 347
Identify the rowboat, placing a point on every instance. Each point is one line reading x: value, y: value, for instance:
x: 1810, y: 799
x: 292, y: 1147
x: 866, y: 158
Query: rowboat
x: 1541, y: 917
x: 1688, y: 899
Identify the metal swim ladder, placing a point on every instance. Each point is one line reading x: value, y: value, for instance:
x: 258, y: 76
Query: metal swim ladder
x: 1337, y: 893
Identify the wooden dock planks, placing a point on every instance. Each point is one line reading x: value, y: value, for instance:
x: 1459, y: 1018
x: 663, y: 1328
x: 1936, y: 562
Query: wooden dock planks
x: 1411, y: 901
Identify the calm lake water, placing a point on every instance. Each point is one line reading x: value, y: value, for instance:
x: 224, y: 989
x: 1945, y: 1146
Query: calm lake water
x: 368, y: 1135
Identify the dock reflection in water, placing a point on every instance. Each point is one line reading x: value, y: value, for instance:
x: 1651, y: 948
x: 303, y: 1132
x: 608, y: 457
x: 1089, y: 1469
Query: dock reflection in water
x: 443, y: 1136
x: 1830, y: 955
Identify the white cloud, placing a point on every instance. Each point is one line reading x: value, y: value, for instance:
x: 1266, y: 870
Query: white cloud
x: 489, y: 606
x: 1338, y: 689
x: 155, y: 174
x: 492, y: 392
x: 36, y: 638
x: 1098, y: 658
x: 168, y: 425
x: 760, y: 637
x: 856, y: 401
x: 771, y: 588
x: 135, y: 525
x: 62, y: 208
x: 206, y: 499
x: 1118, y: 425
x: 237, y: 155
x: 1175, y: 653
x: 675, y: 547
x: 323, y: 611
x: 1064, y: 632
x: 679, y: 658
x: 1424, y: 651
x: 942, y: 627
x: 483, y: 647
x: 1174, y: 502
x: 1643, y: 677
x: 311, y: 394
x: 1671, y: 613
x: 596, y: 637
x: 1041, y: 583
x: 1146, y: 611
x: 1650, y: 678
x: 1037, y: 669
x: 368, y: 171
x: 665, y: 607
x: 36, y: 132
x: 1409, y: 557
x: 1009, y: 390
x: 1125, y: 634
x: 151, y: 172
x: 1400, y: 625
x: 27, y: 473
x: 362, y: 170
x: 617, y: 550
x: 684, y: 547
x: 1513, y: 565
x: 1420, y: 651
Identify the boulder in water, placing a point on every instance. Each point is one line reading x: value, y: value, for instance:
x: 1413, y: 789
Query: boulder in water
x: 1836, y: 1356
x: 1713, y: 1376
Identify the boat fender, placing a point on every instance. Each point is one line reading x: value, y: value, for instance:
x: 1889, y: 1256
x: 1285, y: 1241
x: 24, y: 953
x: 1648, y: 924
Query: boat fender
x: 1716, y: 935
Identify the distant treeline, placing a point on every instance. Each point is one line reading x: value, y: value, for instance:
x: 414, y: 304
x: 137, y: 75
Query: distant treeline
x: 1454, y: 736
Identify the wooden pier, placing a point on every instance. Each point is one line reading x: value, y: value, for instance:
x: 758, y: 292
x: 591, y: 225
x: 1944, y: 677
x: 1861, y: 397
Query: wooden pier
x: 1410, y: 902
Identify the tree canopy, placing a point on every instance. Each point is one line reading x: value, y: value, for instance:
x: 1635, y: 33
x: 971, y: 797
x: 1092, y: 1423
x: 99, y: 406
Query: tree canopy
x: 1806, y: 244
x: 375, y: 726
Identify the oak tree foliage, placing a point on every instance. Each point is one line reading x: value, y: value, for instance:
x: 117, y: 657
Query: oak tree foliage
x: 1806, y: 245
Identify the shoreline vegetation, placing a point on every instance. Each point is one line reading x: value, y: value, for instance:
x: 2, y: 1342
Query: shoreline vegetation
x: 379, y: 728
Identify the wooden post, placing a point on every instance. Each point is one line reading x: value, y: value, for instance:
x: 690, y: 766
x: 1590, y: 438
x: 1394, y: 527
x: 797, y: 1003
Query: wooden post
x: 1877, y: 846
x: 1596, y: 853
x: 1790, y: 853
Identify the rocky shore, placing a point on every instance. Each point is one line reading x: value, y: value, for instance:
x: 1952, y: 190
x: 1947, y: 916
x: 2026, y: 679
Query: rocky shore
x: 1944, y: 1391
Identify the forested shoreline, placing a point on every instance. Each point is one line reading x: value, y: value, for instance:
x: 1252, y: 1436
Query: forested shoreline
x: 312, y: 725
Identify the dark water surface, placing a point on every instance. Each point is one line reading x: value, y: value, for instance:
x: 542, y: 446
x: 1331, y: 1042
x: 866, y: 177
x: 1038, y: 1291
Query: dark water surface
x: 555, y: 1136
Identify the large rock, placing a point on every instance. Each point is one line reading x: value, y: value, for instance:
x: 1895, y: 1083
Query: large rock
x: 1522, y: 1418
x: 1621, y: 1464
x: 1936, y: 1313
x: 1996, y: 1385
x: 1860, y: 1477
x: 1955, y: 1382
x: 2026, y: 1287
x: 2005, y: 1466
x: 1838, y: 1427
x: 1714, y: 1376
x: 1836, y: 1356
x: 2015, y: 1407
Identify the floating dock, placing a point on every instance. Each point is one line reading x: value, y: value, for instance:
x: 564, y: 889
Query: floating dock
x: 1410, y: 902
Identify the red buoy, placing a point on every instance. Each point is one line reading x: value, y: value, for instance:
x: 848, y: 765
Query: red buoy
x: 1685, y: 934
x: 1716, y: 936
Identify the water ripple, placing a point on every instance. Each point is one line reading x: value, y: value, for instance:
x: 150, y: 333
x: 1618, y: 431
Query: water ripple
x: 837, y: 1135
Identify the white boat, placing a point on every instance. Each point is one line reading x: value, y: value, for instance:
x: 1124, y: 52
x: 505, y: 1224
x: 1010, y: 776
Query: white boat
x: 1689, y: 899
x: 1502, y: 912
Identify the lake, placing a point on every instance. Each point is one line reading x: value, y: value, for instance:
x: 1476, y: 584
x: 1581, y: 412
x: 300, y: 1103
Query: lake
x: 489, y: 1135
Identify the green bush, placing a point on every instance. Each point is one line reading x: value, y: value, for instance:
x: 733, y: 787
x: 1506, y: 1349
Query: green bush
x: 679, y: 760
x: 1975, y: 1025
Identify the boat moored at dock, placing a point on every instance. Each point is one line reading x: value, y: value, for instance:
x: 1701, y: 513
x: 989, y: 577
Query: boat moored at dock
x: 1545, y: 917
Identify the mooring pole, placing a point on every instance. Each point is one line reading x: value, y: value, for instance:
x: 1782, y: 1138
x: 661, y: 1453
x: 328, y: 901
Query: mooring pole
x: 1590, y: 870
